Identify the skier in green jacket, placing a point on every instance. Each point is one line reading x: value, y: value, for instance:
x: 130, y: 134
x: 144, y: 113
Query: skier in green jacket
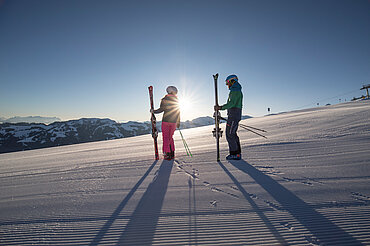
x: 234, y: 107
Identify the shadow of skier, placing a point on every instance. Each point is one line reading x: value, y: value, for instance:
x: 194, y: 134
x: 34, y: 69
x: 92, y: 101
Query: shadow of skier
x: 120, y: 207
x: 141, y: 227
x: 258, y: 211
x: 322, y: 228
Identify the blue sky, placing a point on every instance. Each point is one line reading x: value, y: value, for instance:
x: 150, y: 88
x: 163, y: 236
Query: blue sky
x: 74, y: 58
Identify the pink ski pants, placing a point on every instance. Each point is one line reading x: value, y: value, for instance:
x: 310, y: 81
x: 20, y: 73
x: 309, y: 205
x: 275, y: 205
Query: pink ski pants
x: 168, y: 129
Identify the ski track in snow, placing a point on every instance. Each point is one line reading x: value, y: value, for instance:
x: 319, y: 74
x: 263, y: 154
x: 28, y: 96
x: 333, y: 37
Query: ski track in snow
x: 307, y: 184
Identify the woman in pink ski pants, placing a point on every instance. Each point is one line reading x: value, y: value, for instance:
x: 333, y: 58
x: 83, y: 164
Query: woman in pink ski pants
x: 170, y: 121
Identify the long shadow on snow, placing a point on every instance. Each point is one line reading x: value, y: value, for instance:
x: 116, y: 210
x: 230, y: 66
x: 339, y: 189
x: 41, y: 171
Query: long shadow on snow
x: 192, y: 212
x: 259, y: 211
x: 143, y: 222
x: 120, y: 207
x: 322, y: 228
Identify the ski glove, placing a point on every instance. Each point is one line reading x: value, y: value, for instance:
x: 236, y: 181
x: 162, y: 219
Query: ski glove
x: 217, y: 107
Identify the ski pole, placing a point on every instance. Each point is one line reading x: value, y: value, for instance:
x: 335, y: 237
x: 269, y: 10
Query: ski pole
x: 246, y: 128
x: 182, y: 138
x: 185, y: 144
x: 254, y: 128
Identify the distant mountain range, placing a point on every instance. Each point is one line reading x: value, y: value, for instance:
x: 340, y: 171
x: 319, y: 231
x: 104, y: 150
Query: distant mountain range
x: 26, y: 136
x: 29, y: 119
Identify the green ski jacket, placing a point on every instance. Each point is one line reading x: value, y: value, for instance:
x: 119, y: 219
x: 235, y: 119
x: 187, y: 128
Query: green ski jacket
x: 235, y: 99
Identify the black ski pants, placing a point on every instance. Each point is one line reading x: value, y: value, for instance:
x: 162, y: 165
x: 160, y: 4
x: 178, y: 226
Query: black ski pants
x: 234, y: 116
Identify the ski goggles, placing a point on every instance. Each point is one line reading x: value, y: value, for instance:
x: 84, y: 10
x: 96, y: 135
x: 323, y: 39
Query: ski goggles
x: 231, y: 81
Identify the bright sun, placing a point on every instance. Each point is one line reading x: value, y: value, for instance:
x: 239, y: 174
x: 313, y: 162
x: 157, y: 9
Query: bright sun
x: 184, y: 104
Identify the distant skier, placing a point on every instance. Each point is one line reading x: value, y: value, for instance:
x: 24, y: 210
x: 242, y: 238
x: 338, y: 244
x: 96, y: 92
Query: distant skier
x: 234, y: 111
x: 171, y: 120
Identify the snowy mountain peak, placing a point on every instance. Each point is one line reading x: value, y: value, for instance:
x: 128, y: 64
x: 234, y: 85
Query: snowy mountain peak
x: 29, y: 119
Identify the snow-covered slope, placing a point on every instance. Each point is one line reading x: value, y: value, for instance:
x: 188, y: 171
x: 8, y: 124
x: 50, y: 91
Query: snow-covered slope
x: 307, y: 184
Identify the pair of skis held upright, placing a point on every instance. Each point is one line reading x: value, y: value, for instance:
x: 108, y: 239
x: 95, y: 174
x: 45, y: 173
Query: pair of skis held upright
x: 217, y: 132
x: 155, y: 131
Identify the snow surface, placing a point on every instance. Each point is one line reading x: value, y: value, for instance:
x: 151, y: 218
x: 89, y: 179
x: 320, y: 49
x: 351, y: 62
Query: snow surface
x: 307, y: 184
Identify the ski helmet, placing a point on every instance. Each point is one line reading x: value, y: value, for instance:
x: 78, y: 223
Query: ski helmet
x: 231, y: 79
x: 171, y: 90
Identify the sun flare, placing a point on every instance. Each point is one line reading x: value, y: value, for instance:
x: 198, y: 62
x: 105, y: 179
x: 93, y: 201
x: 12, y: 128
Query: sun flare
x: 187, y: 105
x: 184, y: 104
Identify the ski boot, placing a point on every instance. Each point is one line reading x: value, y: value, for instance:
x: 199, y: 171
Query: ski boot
x: 234, y: 157
x: 173, y: 154
x: 168, y: 156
